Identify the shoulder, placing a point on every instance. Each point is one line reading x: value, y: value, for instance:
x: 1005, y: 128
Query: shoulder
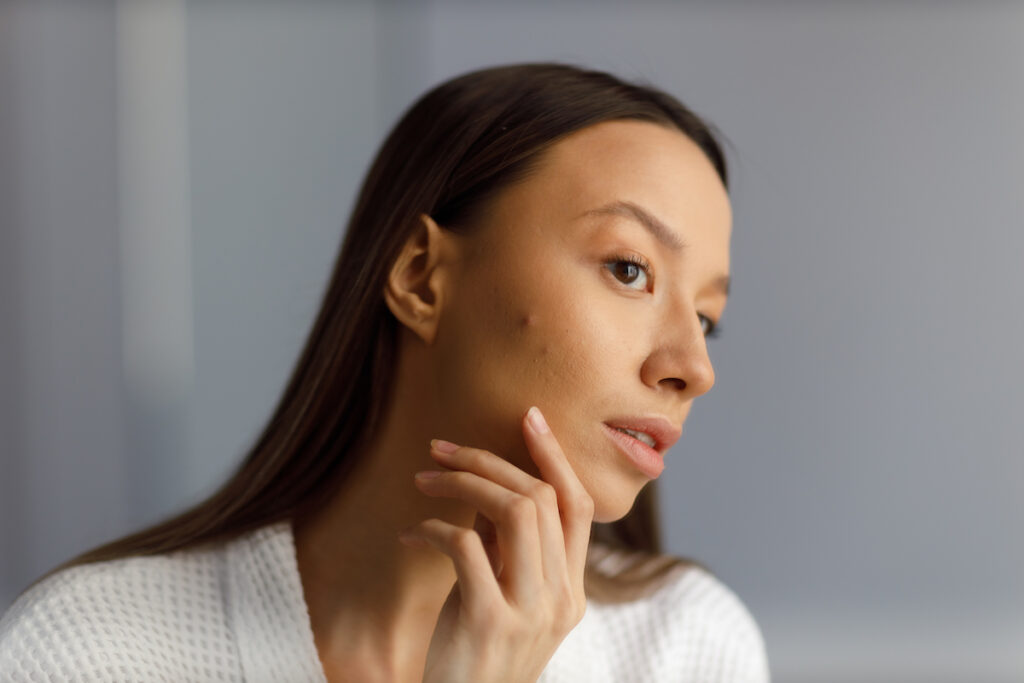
x: 690, y: 627
x: 716, y: 635
x: 135, y: 618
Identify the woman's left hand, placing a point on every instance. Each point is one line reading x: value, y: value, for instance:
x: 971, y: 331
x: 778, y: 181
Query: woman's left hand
x: 519, y: 587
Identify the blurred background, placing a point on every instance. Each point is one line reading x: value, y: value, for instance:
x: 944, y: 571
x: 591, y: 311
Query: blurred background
x: 175, y: 176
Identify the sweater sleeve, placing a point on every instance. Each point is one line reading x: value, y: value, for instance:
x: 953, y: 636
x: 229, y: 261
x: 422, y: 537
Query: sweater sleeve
x: 137, y: 619
x: 52, y: 633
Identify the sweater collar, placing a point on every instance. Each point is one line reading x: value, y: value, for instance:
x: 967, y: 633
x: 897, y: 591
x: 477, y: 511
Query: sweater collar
x: 267, y: 609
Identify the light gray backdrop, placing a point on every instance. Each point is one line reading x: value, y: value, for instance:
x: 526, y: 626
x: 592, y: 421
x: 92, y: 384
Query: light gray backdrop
x: 175, y: 176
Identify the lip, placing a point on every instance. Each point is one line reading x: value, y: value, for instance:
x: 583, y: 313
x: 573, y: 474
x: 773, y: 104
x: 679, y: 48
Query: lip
x: 643, y: 457
x: 664, y: 432
x: 648, y: 460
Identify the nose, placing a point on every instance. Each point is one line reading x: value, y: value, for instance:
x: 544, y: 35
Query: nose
x: 679, y: 361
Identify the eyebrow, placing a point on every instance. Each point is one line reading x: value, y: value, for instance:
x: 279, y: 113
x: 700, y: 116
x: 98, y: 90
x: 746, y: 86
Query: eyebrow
x: 661, y: 232
x: 654, y: 226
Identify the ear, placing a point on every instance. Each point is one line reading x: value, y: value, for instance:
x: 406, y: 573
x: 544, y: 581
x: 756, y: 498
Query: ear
x: 415, y: 285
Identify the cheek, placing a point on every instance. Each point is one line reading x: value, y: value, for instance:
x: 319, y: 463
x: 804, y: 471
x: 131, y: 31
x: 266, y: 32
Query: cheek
x: 561, y: 343
x: 513, y: 348
x: 510, y: 345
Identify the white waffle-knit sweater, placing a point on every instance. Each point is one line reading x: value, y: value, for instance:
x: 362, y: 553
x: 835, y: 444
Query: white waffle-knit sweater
x: 236, y: 612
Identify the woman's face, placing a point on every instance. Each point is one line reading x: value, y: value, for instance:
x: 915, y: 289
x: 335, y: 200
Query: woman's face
x: 586, y: 290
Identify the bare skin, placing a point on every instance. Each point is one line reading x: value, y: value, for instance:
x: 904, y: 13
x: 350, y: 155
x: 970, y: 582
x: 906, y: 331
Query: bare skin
x: 532, y: 308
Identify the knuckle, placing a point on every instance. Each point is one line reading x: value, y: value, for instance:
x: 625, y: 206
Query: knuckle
x: 583, y: 503
x: 465, y: 541
x: 544, y: 493
x: 572, y: 620
x: 476, y: 456
x: 576, y: 612
x: 458, y: 478
x: 581, y: 610
x: 473, y: 458
x: 521, y: 509
x: 566, y: 594
x: 557, y: 618
x: 562, y: 610
x: 569, y: 616
x: 563, y: 622
x: 429, y: 527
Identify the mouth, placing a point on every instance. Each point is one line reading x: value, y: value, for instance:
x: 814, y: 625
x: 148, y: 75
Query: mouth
x: 640, y: 453
x: 657, y: 433
x: 643, y: 441
x: 639, y: 436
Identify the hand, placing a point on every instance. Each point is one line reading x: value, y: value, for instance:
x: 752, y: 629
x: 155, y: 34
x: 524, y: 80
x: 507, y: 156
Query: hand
x: 519, y: 586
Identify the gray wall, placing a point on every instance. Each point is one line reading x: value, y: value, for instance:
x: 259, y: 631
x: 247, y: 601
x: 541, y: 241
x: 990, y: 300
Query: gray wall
x: 856, y: 474
x: 63, y: 465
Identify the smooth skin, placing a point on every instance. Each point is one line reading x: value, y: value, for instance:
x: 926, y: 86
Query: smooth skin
x: 520, y: 576
x: 476, y: 574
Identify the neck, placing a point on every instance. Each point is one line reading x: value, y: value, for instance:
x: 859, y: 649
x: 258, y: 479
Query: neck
x: 370, y: 598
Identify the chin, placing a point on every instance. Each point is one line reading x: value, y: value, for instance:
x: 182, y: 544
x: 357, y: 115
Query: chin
x: 611, y: 509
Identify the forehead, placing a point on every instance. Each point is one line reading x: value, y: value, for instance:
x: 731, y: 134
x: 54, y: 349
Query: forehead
x: 646, y: 164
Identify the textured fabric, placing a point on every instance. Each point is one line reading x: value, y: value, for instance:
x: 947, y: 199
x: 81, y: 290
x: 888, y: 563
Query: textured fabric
x: 692, y: 629
x: 236, y: 613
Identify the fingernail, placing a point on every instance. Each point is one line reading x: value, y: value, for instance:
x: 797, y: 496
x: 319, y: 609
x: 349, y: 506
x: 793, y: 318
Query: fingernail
x: 428, y: 474
x: 443, y: 446
x: 537, y: 420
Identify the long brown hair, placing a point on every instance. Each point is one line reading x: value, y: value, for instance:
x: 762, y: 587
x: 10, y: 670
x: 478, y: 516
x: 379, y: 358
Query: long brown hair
x: 454, y: 149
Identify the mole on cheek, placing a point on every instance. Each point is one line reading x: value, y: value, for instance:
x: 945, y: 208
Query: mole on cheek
x: 528, y: 324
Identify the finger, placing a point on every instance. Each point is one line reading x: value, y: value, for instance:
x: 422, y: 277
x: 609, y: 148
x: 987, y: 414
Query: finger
x: 478, y: 586
x: 501, y: 471
x: 489, y: 536
x: 482, y: 462
x: 514, y: 517
x: 574, y: 503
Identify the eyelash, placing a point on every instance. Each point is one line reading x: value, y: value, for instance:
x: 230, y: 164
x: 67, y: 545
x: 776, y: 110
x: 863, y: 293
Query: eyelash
x: 631, y: 259
x: 714, y: 330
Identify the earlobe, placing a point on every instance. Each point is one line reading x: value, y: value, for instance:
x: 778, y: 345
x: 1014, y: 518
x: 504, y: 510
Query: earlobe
x: 414, y: 288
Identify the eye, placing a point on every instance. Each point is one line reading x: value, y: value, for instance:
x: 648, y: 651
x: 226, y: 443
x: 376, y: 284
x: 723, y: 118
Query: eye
x: 631, y: 271
x: 711, y: 328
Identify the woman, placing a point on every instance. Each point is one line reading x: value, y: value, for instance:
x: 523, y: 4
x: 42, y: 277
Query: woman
x: 457, y: 482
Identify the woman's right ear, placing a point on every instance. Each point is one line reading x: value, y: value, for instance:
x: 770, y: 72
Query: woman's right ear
x: 415, y: 286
